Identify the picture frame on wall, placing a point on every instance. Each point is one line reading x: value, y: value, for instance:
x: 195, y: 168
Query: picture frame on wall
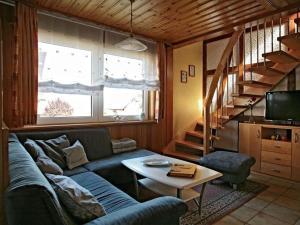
x: 183, y: 76
x: 192, y: 70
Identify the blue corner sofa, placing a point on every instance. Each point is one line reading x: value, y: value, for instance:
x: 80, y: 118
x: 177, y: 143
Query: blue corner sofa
x: 30, y: 199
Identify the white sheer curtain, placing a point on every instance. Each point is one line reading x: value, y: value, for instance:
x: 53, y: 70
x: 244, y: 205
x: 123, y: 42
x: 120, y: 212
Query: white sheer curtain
x: 74, y: 58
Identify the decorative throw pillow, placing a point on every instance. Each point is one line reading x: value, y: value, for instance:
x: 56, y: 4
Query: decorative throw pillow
x: 34, y: 149
x: 46, y: 165
x: 58, y: 143
x: 53, y: 149
x: 79, y: 202
x: 75, y: 155
x: 57, y: 157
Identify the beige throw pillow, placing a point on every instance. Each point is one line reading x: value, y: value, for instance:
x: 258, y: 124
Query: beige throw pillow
x: 75, y: 155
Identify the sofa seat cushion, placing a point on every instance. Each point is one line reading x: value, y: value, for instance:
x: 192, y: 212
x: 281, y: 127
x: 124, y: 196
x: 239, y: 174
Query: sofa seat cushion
x: 112, y: 169
x: 75, y: 171
x: 110, y: 197
x: 229, y: 162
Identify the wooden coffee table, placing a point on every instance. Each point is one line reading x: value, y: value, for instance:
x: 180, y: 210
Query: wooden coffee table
x: 156, y: 179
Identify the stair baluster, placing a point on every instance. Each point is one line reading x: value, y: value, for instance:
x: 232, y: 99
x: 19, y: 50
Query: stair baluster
x: 244, y: 51
x: 297, y: 25
x: 265, y: 24
x: 251, y: 74
x: 272, y: 35
x: 257, y: 47
x: 280, y: 33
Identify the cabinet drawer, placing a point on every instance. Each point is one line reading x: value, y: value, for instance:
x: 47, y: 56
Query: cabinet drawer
x: 276, y: 146
x: 276, y: 170
x: 276, y: 158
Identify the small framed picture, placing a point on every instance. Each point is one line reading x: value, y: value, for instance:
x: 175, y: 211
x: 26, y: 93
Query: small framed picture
x: 183, y: 76
x: 192, y: 71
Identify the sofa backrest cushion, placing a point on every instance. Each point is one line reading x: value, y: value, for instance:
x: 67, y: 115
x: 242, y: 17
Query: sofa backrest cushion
x: 29, y: 198
x: 96, y: 141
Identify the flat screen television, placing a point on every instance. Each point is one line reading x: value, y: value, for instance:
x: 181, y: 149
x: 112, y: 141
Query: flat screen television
x: 283, y: 105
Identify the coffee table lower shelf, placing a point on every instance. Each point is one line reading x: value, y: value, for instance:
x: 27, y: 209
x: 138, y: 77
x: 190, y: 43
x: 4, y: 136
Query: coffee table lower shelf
x: 162, y: 189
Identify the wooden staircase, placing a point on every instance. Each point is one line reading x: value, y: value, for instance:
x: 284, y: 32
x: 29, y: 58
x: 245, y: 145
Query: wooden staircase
x: 191, y: 147
x: 224, y: 102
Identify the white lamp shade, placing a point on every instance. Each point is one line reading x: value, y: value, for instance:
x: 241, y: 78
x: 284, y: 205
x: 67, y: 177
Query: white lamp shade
x: 131, y: 44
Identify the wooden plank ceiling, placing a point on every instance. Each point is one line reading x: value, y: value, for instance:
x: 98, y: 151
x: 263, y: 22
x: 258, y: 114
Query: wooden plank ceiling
x: 175, y: 21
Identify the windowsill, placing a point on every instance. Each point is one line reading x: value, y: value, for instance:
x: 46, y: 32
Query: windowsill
x: 82, y: 125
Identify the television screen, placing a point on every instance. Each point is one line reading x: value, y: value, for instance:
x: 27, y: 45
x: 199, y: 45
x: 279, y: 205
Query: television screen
x: 283, y: 105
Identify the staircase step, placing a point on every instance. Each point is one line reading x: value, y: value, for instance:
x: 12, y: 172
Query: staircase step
x: 292, y: 41
x: 246, y: 95
x: 183, y: 155
x: 213, y: 126
x: 255, y: 84
x: 226, y: 117
x: 235, y: 106
x: 280, y: 57
x: 189, y: 144
x: 200, y: 134
x: 266, y: 71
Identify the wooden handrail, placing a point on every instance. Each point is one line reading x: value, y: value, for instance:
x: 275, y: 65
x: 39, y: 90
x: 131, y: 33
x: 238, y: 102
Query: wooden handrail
x: 214, y: 84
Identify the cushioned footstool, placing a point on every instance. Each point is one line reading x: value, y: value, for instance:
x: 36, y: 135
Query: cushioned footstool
x: 234, y: 166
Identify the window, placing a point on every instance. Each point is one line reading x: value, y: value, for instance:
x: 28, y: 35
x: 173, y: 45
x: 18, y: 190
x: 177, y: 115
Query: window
x: 83, y: 77
x: 66, y: 66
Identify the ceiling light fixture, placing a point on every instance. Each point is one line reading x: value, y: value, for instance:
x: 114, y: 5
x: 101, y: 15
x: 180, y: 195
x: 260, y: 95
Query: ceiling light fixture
x: 131, y: 43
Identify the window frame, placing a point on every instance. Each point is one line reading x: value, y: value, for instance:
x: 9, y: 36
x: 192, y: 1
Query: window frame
x: 96, y: 100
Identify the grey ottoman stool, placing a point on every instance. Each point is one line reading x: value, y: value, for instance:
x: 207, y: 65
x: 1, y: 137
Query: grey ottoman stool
x: 234, y: 166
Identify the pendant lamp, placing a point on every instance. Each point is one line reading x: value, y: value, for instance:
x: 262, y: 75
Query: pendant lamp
x: 130, y: 43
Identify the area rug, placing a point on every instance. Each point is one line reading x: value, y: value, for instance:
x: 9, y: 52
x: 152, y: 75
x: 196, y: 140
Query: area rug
x: 220, y: 200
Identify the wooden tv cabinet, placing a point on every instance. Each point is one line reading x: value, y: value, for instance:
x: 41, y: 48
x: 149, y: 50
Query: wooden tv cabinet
x: 276, y: 148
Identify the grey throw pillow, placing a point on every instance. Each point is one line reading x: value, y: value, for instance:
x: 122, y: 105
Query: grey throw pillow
x: 34, y: 149
x: 53, y: 149
x: 58, y: 143
x: 79, y: 202
x: 46, y: 165
x: 75, y: 155
x: 57, y: 157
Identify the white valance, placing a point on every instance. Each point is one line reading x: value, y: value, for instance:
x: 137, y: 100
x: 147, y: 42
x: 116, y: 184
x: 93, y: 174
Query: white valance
x: 74, y: 58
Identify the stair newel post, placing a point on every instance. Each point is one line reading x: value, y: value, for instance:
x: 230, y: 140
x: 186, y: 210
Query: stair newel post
x: 206, y: 129
x: 257, y: 47
x: 265, y: 41
x: 251, y: 75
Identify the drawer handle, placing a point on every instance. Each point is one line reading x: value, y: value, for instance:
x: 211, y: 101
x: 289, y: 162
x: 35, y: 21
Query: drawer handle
x: 277, y: 159
x: 296, y: 138
x: 277, y: 171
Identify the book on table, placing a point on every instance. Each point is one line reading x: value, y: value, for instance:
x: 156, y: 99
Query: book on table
x: 182, y: 170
